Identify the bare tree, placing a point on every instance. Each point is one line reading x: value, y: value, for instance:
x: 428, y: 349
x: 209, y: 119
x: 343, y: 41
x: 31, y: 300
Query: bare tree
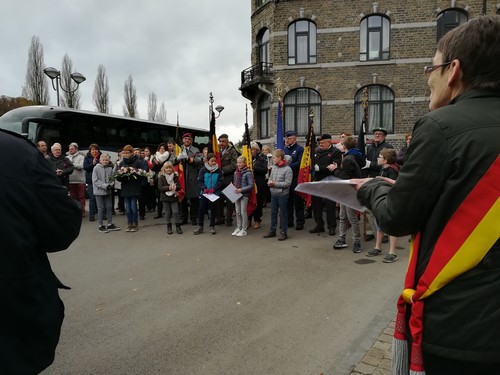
x: 152, y: 106
x: 36, y: 89
x: 101, y: 90
x: 70, y: 95
x: 161, y: 115
x: 130, y: 96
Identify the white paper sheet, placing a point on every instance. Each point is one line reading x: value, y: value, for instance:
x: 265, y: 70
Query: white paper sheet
x: 231, y: 193
x: 335, y: 189
x: 211, y: 197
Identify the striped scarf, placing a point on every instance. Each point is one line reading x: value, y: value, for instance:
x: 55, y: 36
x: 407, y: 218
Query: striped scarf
x: 464, y: 242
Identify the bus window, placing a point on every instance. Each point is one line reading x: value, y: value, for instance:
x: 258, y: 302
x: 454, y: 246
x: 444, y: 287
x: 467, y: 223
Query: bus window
x: 51, y: 134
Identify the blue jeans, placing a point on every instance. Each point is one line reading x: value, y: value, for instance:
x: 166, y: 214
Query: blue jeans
x: 131, y: 208
x: 279, y: 203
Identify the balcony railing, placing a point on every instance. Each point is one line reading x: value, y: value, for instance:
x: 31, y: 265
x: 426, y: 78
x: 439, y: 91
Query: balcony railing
x: 258, y: 71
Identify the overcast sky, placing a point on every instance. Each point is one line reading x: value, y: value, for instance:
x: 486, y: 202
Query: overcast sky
x: 181, y: 50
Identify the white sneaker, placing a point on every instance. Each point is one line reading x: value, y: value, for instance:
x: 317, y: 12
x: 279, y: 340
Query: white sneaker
x: 241, y: 233
x: 235, y: 233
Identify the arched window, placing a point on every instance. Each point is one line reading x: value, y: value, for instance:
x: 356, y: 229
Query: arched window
x: 296, y: 110
x: 264, y: 116
x: 374, y: 38
x: 448, y: 19
x: 380, y: 108
x: 263, y: 42
x: 302, y: 42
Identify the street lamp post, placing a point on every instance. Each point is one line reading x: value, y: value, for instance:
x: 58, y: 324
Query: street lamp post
x: 219, y: 108
x: 55, y: 74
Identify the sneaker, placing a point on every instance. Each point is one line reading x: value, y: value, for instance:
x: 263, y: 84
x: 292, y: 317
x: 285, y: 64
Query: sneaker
x: 212, y: 230
x: 256, y: 225
x: 241, y: 233
x: 356, y: 247
x: 113, y: 227
x: 235, y: 232
x: 129, y: 228
x: 340, y: 244
x: 103, y: 229
x: 282, y: 237
x: 133, y: 228
x: 390, y: 258
x: 373, y: 252
x: 198, y: 230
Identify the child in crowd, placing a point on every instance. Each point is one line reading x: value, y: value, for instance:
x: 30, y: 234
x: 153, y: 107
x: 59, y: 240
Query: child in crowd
x: 102, y: 188
x: 279, y: 183
x: 352, y: 162
x: 387, y: 160
x: 168, y: 186
x: 210, y: 182
x: 243, y: 181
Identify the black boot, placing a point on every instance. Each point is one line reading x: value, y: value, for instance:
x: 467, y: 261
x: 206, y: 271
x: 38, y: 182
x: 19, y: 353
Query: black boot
x: 169, y: 228
x: 178, y: 228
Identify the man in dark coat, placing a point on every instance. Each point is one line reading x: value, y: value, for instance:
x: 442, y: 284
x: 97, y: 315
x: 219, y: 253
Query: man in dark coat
x: 37, y: 217
x: 60, y: 164
x: 192, y: 161
x: 295, y: 202
x: 325, y: 157
x: 448, y: 196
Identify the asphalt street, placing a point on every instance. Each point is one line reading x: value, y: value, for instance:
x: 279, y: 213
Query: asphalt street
x: 152, y: 303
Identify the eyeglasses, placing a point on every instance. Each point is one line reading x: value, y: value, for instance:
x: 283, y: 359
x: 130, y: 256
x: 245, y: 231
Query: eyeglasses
x: 429, y: 69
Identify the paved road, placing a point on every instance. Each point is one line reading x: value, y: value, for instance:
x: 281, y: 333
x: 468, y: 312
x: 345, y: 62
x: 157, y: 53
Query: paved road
x: 148, y: 303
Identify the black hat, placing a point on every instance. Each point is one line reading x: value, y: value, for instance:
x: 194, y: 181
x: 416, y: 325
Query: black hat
x: 290, y: 133
x: 379, y: 130
x: 322, y: 137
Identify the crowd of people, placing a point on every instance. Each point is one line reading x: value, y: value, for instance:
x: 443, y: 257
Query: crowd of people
x: 188, y: 186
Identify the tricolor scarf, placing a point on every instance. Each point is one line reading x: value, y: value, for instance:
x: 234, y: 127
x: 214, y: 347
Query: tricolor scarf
x: 464, y: 242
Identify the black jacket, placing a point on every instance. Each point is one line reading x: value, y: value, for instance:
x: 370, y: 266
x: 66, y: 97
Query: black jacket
x: 372, y: 152
x: 131, y: 187
x: 350, y: 167
x: 451, y: 150
x: 323, y: 158
x: 37, y: 217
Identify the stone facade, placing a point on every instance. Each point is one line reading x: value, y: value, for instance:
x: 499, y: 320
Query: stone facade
x: 338, y: 73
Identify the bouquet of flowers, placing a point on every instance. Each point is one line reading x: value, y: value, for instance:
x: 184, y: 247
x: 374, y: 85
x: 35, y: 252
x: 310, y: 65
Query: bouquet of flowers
x: 127, y: 174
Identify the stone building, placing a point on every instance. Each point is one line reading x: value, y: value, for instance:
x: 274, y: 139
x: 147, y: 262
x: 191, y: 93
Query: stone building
x: 322, y: 54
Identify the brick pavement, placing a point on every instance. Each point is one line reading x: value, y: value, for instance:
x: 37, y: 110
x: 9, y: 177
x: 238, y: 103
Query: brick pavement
x: 378, y: 360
